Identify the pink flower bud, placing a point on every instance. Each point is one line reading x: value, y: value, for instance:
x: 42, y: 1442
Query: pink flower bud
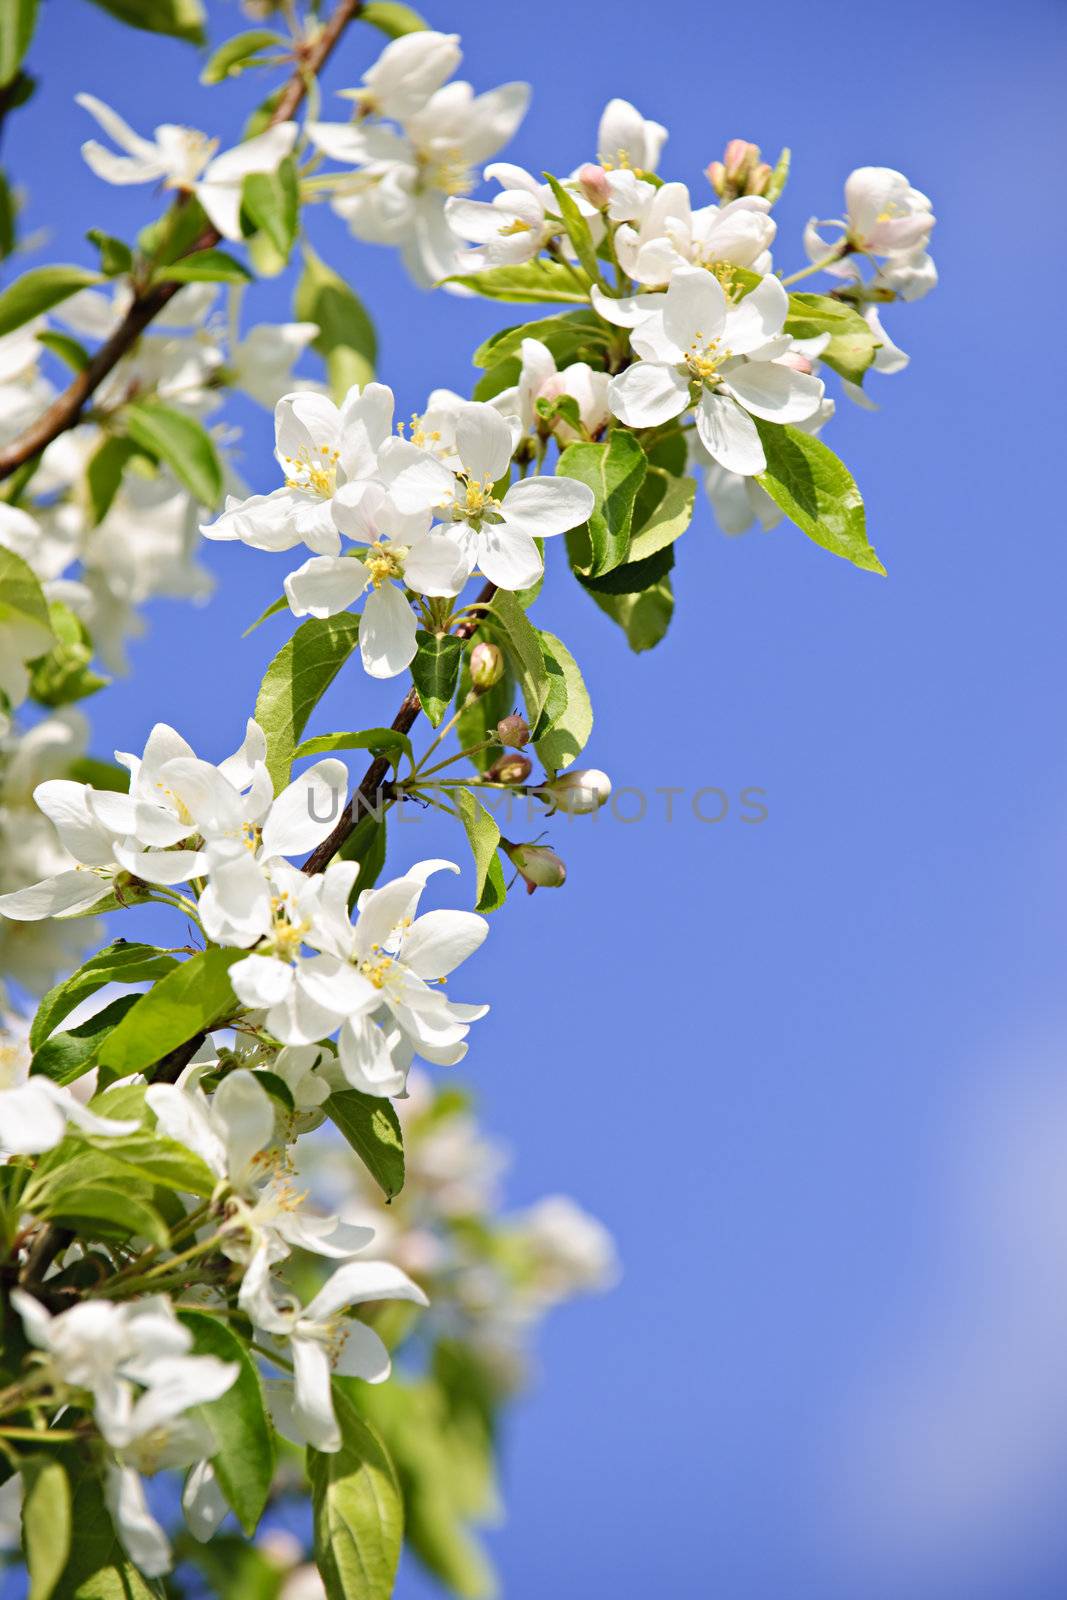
x: 758, y: 178
x: 539, y: 867
x: 513, y: 731
x: 511, y: 768
x: 486, y: 664
x: 716, y: 175
x: 593, y: 182
x: 739, y: 158
x: 578, y: 792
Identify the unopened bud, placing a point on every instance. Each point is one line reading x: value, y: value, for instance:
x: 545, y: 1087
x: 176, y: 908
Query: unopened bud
x: 578, y: 792
x: 510, y: 768
x: 797, y: 360
x: 758, y: 178
x: 486, y: 664
x: 739, y: 158
x: 513, y: 731
x: 539, y: 867
x: 716, y: 176
x: 593, y: 182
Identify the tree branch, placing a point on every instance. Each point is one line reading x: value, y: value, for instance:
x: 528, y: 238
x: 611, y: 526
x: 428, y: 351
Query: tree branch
x: 66, y: 409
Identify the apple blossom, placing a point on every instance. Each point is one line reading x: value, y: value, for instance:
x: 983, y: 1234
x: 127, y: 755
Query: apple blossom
x: 541, y: 379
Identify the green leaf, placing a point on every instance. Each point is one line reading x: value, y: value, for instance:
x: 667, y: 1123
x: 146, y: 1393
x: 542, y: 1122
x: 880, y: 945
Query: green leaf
x: 116, y: 257
x: 182, y: 442
x: 852, y: 346
x: 567, y: 721
x: 392, y: 18
x: 779, y: 177
x: 8, y: 219
x: 97, y: 1211
x: 192, y: 999
x: 633, y: 577
x: 435, y: 671
x: 663, y: 512
x: 176, y: 232
x: 116, y: 963
x: 372, y: 1128
x: 181, y: 19
x: 101, y: 774
x: 519, y: 641
x: 66, y: 1056
x: 98, y: 1568
x: 643, y: 617
x: 483, y: 836
x: 478, y: 717
x: 295, y: 682
x: 366, y: 844
x: 577, y: 229
x: 817, y: 492
x: 272, y: 610
x: 244, y: 1463
x: 104, y: 473
x: 38, y: 290
x: 346, y: 339
x: 23, y: 609
x: 272, y: 201
x: 67, y: 349
x: 571, y: 336
x: 46, y: 1524
x: 536, y: 282
x: 235, y: 54
x: 17, y: 21
x: 379, y: 741
x: 358, y: 1511
x: 64, y: 674
x: 204, y: 266
x: 615, y: 472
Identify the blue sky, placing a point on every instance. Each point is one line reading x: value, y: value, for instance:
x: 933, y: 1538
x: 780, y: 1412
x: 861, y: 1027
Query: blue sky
x: 813, y: 1073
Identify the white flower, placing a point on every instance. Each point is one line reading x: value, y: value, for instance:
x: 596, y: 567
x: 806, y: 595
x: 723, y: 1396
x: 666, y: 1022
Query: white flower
x: 320, y: 447
x: 401, y: 551
x: 229, y: 1132
x: 34, y: 1112
x: 185, y: 160
x: 321, y: 1342
x: 493, y: 534
x: 408, y: 71
x: 671, y: 234
x: 540, y: 379
x: 887, y: 218
x: 262, y: 361
x: 692, y: 341
x: 398, y: 194
x: 627, y: 140
x: 510, y: 228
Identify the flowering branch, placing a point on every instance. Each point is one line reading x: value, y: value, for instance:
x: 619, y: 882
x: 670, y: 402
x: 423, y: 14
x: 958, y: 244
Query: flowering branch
x: 67, y: 408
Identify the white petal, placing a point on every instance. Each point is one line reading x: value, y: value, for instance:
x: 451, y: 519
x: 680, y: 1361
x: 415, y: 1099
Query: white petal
x: 357, y: 1282
x: 437, y: 564
x: 774, y: 392
x: 64, y: 895
x: 306, y: 810
x: 545, y: 506
x: 264, y: 153
x: 648, y: 393
x: 244, y: 1109
x: 261, y: 981
x: 729, y: 435
x: 313, y: 1410
x: 222, y: 203
x: 203, y: 1502
x: 140, y: 1534
x: 508, y: 557
x: 483, y: 441
x: 363, y: 1355
x: 694, y: 309
x: 758, y: 318
x: 417, y: 481
x: 440, y: 940
x: 387, y: 632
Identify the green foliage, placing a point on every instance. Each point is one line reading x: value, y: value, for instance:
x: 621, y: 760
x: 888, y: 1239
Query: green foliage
x: 236, y: 55
x: 372, y: 1128
x: 40, y: 289
x: 379, y: 741
x: 174, y: 233
x: 567, y: 720
x: 359, y: 1516
x: 483, y: 836
x: 615, y: 472
x: 779, y: 177
x: 663, y: 512
x: 644, y: 616
x: 346, y: 339
x: 64, y: 674
x: 392, y: 18
x: 435, y: 672
x: 104, y: 471
x: 295, y: 682
x: 195, y: 997
x: 205, y: 266
x: 66, y: 1056
x: 479, y: 717
x: 366, y: 844
x: 181, y: 19
x: 852, y: 345
x: 536, y: 282
x: 46, y: 1525
x: 116, y: 257
x: 94, y: 1194
x: 67, y: 349
x: 98, y: 1568
x: 577, y: 228
x: 571, y: 336
x: 180, y: 441
x: 116, y: 963
x: 244, y: 1463
x: 22, y: 604
x: 517, y: 637
x: 817, y: 492
x: 18, y: 18
x: 271, y: 200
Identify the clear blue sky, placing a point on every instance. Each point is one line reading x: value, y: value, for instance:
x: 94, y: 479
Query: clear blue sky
x: 813, y: 1073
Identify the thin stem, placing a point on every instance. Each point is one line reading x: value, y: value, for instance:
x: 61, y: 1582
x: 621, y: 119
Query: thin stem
x: 843, y: 248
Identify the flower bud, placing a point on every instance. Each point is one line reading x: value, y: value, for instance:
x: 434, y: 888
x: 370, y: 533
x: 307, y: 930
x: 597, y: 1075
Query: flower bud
x: 716, y: 176
x: 797, y: 360
x: 739, y: 158
x: 758, y: 178
x: 578, y: 792
x: 513, y: 731
x: 510, y: 768
x: 486, y: 664
x: 593, y: 182
x: 539, y: 867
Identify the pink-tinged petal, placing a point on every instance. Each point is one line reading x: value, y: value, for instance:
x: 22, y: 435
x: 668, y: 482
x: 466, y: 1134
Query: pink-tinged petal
x: 729, y: 435
x: 648, y: 393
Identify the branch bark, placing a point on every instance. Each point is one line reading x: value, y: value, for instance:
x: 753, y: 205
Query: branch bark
x: 67, y: 408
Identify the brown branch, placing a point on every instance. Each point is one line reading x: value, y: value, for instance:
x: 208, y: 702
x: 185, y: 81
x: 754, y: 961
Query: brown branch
x: 363, y: 798
x: 66, y: 409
